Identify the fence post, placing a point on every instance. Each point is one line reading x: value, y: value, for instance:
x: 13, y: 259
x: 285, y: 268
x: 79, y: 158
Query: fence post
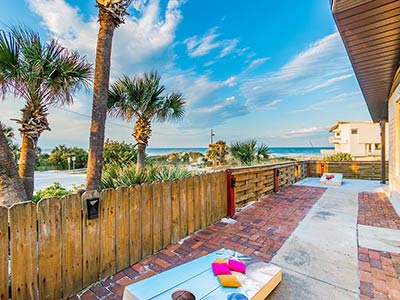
x: 231, y: 183
x: 296, y: 173
x: 276, y: 180
x: 308, y: 169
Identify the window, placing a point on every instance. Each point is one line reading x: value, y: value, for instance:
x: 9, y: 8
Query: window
x: 354, y: 131
x: 377, y: 146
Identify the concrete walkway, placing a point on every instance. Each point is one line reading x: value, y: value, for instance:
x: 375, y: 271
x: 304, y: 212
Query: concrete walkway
x: 320, y: 259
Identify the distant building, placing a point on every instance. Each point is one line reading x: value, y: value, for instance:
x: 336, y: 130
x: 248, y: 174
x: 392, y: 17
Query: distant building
x: 361, y: 139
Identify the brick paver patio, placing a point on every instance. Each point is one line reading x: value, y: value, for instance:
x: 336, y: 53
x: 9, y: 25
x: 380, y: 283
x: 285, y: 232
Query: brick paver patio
x: 379, y: 270
x: 376, y: 210
x: 260, y: 231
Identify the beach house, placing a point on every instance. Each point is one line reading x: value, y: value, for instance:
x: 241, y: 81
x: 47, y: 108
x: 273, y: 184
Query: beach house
x: 361, y: 139
x: 370, y: 31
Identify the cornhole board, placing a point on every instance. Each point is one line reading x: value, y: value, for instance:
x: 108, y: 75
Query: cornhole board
x: 197, y: 277
x: 336, y: 180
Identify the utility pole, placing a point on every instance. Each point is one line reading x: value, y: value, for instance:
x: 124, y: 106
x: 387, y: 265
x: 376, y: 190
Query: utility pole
x: 212, y: 136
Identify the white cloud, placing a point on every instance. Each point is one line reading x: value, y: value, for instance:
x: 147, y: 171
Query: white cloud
x: 309, y: 131
x: 322, y: 64
x: 270, y: 104
x: 218, y: 107
x: 231, y: 81
x: 330, y: 101
x: 256, y: 62
x: 328, y: 82
x: 200, y: 46
x: 138, y: 41
x: 228, y: 47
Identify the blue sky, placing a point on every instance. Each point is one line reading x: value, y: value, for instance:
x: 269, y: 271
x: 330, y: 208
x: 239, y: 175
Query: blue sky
x: 276, y: 71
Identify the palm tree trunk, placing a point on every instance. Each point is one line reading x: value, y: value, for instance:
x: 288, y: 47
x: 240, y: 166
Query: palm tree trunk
x: 27, y: 165
x: 141, y: 155
x: 100, y: 97
x: 11, y: 188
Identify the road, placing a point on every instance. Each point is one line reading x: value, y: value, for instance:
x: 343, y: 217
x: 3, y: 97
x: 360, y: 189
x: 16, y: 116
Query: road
x: 65, y: 178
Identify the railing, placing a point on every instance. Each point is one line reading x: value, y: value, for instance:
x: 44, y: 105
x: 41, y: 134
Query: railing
x: 57, y: 251
x: 370, y: 170
x: 253, y: 183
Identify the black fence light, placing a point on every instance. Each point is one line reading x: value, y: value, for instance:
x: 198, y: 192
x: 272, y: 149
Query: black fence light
x: 93, y: 208
x: 233, y: 182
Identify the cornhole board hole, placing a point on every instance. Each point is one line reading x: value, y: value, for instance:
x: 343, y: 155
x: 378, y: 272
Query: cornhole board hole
x: 331, y: 178
x: 197, y: 278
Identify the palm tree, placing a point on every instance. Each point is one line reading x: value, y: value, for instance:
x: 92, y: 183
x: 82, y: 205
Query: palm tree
x: 140, y: 99
x: 262, y: 153
x: 11, y: 188
x: 111, y: 15
x: 217, y: 152
x: 247, y: 151
x: 42, y: 74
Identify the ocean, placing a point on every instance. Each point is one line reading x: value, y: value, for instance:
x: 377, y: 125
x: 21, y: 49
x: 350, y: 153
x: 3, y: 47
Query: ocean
x: 277, y: 151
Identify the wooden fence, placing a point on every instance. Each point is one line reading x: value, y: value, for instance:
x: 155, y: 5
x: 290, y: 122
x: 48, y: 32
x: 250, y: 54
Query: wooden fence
x: 370, y: 170
x: 253, y: 183
x: 56, y: 251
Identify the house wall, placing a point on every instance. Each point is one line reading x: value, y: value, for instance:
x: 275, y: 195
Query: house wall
x: 394, y: 145
x: 358, y: 144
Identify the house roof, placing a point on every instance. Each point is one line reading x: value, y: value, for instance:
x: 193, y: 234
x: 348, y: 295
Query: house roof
x: 334, y: 127
x: 370, y: 30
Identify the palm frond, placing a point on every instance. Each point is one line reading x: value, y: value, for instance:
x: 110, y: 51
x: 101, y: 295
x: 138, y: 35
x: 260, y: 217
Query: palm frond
x: 142, y: 97
x: 173, y: 107
x: 9, y: 53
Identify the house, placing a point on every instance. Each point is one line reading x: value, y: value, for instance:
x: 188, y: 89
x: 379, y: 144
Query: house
x: 361, y: 139
x: 370, y: 31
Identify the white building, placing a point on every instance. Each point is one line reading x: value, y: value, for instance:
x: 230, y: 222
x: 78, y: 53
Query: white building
x: 361, y: 139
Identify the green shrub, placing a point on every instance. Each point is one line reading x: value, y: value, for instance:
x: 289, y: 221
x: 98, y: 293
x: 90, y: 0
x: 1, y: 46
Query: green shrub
x: 116, y: 176
x: 54, y: 190
x: 115, y: 152
x: 247, y: 152
x: 338, y: 157
x: 58, y: 157
x: 194, y: 156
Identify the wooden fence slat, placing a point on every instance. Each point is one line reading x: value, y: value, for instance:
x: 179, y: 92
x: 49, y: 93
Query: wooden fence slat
x: 190, y: 201
x: 167, y: 213
x: 122, y: 228
x: 107, y: 236
x: 183, y: 208
x: 71, y: 228
x: 23, y: 251
x: 203, y: 201
x: 91, y: 239
x: 157, y: 217
x: 214, y: 197
x: 3, y: 253
x: 217, y: 196
x: 197, y: 202
x: 147, y: 220
x: 208, y: 199
x: 175, y: 211
x: 49, y: 244
x: 135, y: 225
